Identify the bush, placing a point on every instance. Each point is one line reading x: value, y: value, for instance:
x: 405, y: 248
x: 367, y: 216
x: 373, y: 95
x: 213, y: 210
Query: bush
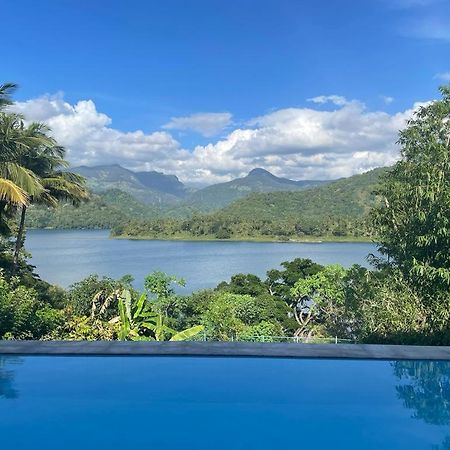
x: 23, y: 315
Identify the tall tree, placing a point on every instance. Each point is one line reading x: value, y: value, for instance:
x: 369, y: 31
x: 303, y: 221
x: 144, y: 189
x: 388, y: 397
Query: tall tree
x: 413, y: 222
x: 46, y: 161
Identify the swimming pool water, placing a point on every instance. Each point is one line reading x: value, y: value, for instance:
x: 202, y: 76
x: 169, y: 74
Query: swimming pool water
x: 162, y: 403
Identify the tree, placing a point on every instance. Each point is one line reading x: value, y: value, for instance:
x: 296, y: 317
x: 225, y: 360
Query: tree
x: 412, y: 224
x: 160, y: 285
x: 23, y: 315
x: 280, y: 282
x: 424, y: 388
x: 320, y: 305
x: 45, y: 161
x: 16, y: 181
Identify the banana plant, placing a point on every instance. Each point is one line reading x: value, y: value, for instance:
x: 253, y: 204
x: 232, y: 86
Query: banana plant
x: 134, y: 319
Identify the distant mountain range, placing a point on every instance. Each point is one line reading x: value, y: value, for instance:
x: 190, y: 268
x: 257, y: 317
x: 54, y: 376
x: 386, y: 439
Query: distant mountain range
x: 121, y: 196
x: 336, y: 210
x: 158, y: 189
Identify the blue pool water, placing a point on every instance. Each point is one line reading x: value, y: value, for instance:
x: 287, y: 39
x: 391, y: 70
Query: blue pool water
x: 219, y: 403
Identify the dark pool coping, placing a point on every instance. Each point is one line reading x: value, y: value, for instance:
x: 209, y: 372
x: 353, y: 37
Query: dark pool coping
x: 228, y: 349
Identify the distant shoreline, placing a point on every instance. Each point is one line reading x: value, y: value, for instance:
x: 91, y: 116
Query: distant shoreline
x: 306, y: 240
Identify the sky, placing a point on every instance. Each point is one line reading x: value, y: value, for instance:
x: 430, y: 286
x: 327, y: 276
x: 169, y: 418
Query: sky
x: 209, y: 89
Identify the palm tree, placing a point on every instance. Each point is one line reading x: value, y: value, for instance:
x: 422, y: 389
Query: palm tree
x: 6, y: 91
x: 16, y: 181
x: 46, y: 161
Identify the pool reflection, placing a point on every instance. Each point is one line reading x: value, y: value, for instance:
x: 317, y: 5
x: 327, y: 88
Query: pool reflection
x: 7, y: 388
x: 425, y: 389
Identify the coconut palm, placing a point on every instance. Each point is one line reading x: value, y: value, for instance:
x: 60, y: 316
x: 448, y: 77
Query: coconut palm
x: 6, y: 91
x: 46, y: 161
x: 16, y: 181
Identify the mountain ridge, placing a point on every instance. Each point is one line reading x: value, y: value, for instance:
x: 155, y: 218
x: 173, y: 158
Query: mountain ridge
x: 156, y: 188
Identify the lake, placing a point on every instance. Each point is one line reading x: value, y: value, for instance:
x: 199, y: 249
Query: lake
x: 65, y: 256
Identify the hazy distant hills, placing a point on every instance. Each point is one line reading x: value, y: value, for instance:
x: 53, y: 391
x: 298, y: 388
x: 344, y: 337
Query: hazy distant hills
x: 150, y: 188
x: 155, y: 188
x: 121, y: 195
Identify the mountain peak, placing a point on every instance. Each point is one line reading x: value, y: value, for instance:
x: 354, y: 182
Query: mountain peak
x: 258, y: 171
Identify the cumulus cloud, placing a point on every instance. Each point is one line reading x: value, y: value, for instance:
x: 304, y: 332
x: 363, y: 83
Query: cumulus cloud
x: 89, y: 138
x: 304, y: 143
x: 298, y: 143
x: 207, y: 124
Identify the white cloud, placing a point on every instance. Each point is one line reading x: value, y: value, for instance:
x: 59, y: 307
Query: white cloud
x: 298, y: 143
x: 208, y: 123
x: 304, y: 143
x: 443, y: 76
x: 89, y: 138
x: 335, y: 99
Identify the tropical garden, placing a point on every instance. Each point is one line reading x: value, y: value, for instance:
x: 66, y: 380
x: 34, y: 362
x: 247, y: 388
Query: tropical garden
x: 403, y: 298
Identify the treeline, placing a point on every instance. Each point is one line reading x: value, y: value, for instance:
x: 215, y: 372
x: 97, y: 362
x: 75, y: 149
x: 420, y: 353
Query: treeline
x: 222, y: 226
x: 103, y: 211
x: 302, y: 300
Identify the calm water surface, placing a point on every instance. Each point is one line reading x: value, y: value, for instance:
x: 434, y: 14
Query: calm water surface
x: 75, y: 403
x: 66, y: 256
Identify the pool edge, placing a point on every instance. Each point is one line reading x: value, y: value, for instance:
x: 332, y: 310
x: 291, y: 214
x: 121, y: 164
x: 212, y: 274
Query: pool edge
x: 225, y: 349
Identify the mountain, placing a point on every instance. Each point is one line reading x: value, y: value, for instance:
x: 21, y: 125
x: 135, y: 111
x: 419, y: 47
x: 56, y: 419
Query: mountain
x: 258, y: 180
x: 337, y: 209
x: 347, y: 197
x: 151, y: 188
x: 170, y: 184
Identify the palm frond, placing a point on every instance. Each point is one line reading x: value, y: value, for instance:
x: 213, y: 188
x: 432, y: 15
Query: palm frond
x: 11, y: 193
x: 22, y: 177
x: 187, y: 334
x: 6, y: 90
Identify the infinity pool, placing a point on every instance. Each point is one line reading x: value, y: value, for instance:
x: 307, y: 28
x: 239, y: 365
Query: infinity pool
x: 90, y: 402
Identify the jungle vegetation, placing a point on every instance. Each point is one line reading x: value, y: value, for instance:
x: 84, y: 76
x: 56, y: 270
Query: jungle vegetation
x: 403, y: 298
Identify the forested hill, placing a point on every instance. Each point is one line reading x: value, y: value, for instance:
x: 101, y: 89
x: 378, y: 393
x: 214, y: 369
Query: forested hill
x: 338, y: 209
x: 348, y: 197
x: 220, y: 195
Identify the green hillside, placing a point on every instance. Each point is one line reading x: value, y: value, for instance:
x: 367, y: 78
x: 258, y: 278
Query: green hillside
x: 348, y: 197
x: 258, y: 180
x: 338, y: 209
x: 102, y: 211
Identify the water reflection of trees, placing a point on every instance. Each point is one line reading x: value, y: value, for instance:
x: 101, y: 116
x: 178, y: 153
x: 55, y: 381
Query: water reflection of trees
x: 7, y: 389
x: 425, y: 389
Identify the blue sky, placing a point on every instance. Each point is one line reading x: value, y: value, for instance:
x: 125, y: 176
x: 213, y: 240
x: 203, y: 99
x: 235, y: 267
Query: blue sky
x: 159, y: 66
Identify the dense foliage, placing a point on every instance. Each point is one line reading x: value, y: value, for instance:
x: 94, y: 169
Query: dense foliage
x: 338, y: 209
x: 413, y: 222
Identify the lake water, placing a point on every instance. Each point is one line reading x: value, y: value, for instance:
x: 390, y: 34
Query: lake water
x: 65, y: 256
